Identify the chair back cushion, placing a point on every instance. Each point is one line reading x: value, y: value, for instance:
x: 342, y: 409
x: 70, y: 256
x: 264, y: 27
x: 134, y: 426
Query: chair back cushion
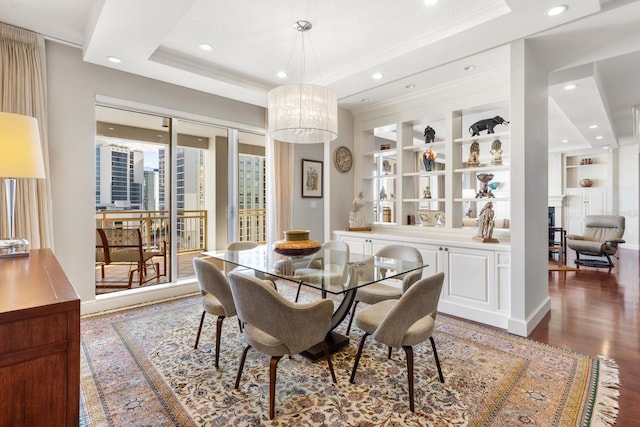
x: 212, y: 281
x: 603, y: 227
x: 296, y: 326
x: 418, y: 302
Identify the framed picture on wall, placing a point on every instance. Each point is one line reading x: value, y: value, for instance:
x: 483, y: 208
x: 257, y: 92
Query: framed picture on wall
x: 311, y: 178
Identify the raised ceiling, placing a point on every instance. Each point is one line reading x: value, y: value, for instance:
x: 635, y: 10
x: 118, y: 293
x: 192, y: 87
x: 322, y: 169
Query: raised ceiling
x: 596, y: 43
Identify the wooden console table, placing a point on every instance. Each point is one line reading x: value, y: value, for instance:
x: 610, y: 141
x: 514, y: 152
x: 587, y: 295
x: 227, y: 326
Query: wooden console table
x: 39, y: 343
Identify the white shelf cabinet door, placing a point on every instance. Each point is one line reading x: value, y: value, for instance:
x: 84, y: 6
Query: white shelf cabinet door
x: 470, y: 278
x: 582, y: 202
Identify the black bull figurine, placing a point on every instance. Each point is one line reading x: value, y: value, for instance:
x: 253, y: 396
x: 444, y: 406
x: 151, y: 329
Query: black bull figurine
x: 486, y: 124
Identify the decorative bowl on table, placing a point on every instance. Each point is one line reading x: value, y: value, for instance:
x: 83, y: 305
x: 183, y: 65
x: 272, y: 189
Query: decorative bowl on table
x: 296, y: 243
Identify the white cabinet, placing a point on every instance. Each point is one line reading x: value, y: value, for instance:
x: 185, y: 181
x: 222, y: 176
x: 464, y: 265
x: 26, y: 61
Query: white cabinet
x: 581, y: 202
x: 364, y: 245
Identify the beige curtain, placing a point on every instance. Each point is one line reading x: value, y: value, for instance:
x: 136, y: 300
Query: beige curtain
x: 279, y: 189
x: 23, y: 90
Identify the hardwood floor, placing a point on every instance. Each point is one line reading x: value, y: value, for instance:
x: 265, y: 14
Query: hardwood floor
x: 597, y: 312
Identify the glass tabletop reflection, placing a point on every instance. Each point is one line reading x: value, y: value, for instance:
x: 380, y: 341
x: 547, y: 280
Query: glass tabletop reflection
x: 327, y: 270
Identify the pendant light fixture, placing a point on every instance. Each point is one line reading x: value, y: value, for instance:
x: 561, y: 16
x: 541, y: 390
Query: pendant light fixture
x: 303, y: 113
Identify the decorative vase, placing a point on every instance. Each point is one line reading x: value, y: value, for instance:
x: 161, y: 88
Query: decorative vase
x: 296, y: 243
x: 586, y: 182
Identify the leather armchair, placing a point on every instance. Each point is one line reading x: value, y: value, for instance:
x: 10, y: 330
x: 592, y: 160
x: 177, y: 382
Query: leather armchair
x: 601, y: 237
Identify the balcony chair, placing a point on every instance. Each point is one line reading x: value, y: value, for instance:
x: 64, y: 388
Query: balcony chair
x: 327, y: 271
x: 276, y: 326
x: 216, y: 298
x: 377, y: 292
x: 125, y: 246
x: 601, y: 236
x: 404, y: 323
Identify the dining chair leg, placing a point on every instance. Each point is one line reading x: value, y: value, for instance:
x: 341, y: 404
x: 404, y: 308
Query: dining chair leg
x: 435, y: 355
x: 241, y: 366
x: 389, y: 353
x: 409, y: 351
x: 199, y: 329
x: 218, y: 334
x: 240, y: 325
x: 273, y: 365
x: 327, y: 355
x: 353, y: 313
x: 298, y: 292
x: 355, y: 364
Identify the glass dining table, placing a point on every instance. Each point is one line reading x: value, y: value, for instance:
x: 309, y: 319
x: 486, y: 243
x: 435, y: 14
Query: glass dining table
x: 362, y: 270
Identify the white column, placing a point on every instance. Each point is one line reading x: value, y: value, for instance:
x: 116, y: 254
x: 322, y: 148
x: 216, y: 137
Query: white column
x: 529, y: 192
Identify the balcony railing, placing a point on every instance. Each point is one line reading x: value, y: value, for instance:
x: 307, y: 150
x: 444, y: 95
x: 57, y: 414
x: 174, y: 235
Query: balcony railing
x: 191, y: 226
x: 252, y: 225
x: 154, y: 225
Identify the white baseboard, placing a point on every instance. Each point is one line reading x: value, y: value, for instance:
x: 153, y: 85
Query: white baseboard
x: 129, y: 297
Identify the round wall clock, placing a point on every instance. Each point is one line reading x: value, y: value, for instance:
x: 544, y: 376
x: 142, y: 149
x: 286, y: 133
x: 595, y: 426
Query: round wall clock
x: 343, y: 159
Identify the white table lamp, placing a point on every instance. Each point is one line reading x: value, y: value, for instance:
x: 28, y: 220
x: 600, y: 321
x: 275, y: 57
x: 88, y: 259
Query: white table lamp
x: 20, y: 157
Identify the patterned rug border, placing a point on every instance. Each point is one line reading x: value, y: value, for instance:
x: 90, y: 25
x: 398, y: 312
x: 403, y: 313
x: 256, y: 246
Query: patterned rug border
x: 601, y: 394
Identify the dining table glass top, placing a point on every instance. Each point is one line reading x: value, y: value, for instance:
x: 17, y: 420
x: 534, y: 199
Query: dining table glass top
x: 322, y: 270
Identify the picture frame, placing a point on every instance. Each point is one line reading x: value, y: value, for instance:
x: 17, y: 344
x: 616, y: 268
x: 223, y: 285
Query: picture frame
x: 312, y: 185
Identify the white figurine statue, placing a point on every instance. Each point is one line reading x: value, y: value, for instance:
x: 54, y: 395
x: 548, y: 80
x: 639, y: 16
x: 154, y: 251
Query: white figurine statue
x: 356, y: 216
x: 496, y: 152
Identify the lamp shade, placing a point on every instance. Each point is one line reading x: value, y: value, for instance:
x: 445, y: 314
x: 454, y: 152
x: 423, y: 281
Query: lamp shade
x: 303, y: 113
x: 20, y: 149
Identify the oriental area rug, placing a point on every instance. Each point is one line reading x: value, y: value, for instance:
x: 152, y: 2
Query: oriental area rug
x: 139, y: 368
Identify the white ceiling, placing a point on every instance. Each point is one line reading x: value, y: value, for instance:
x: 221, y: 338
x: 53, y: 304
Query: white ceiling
x: 595, y: 44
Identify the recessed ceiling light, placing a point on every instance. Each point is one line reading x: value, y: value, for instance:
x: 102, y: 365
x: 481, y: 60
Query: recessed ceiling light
x: 409, y: 86
x: 364, y: 100
x: 570, y: 86
x: 205, y: 46
x: 114, y: 59
x: 599, y: 137
x: 282, y: 74
x: 557, y: 10
x: 593, y: 127
x: 605, y: 147
x: 430, y: 2
x: 470, y: 67
x: 377, y: 76
x: 564, y: 141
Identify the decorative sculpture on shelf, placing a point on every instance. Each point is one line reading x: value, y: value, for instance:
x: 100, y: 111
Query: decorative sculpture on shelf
x: 496, y: 152
x: 427, y: 192
x: 484, y: 178
x: 474, y: 155
x: 486, y: 124
x: 429, y: 159
x: 429, y: 135
x: 383, y: 194
x: 386, y: 167
x: 486, y: 224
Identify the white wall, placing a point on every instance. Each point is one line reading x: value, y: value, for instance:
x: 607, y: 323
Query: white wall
x: 72, y: 89
x: 628, y: 188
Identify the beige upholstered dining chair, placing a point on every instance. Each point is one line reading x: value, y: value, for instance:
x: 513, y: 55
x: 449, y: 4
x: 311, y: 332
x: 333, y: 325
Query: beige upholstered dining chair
x: 404, y: 323
x: 237, y: 246
x: 376, y: 292
x: 329, y: 269
x: 216, y: 298
x: 276, y: 326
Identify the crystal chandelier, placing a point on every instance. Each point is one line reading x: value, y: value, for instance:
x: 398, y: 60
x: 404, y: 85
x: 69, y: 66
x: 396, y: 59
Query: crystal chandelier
x: 302, y: 112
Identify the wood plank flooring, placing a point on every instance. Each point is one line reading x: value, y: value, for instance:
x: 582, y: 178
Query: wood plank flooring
x: 597, y: 312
